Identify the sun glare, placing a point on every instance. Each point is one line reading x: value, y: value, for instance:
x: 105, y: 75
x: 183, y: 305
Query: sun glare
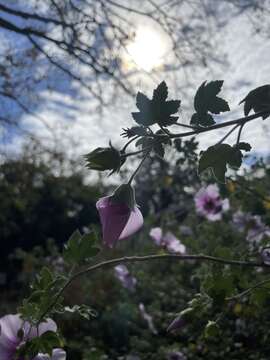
x: 148, y: 48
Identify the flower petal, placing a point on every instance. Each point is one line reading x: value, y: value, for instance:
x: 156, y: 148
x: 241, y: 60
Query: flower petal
x: 135, y: 222
x: 156, y: 235
x: 31, y: 332
x: 58, y: 354
x: 9, y: 327
x: 114, y: 217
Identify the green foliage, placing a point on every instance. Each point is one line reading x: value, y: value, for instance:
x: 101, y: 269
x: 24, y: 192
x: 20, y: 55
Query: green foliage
x: 44, y: 293
x: 201, y: 297
x: 43, y: 344
x: 124, y: 194
x: 257, y: 100
x: 36, y: 206
x: 205, y: 101
x: 158, y: 109
x: 84, y: 311
x: 210, y: 300
x: 80, y: 248
x: 217, y: 158
x: 157, y: 145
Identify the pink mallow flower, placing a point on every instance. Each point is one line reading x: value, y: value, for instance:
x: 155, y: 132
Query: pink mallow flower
x: 168, y: 241
x: 123, y: 275
x: 209, y: 204
x: 10, y: 340
x: 120, y: 218
x: 253, y: 225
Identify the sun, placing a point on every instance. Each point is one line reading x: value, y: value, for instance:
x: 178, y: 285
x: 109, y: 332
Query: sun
x: 147, y: 49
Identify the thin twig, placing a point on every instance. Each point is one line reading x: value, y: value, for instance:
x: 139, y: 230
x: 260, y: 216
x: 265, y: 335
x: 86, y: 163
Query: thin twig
x: 247, y: 291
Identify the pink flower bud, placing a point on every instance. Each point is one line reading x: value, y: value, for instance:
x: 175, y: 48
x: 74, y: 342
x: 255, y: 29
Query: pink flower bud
x: 118, y: 220
x: 176, y: 324
x: 181, y: 320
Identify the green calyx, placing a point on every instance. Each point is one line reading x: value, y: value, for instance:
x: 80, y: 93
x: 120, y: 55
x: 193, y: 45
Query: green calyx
x: 101, y: 159
x: 124, y: 194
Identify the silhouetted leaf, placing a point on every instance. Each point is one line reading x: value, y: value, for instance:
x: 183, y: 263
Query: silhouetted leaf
x: 142, y: 102
x: 202, y: 119
x: 218, y: 105
x: 257, y: 100
x: 156, y: 110
x: 217, y: 158
x: 205, y: 101
x: 243, y: 146
x: 160, y: 94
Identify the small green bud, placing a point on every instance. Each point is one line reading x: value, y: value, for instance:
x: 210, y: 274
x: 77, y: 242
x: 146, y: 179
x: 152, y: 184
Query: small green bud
x: 103, y: 159
x: 134, y: 131
x: 124, y: 194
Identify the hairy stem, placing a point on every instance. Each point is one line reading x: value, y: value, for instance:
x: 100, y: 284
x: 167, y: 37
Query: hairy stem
x: 128, y: 143
x: 140, y: 165
x: 228, y: 134
x: 132, y: 259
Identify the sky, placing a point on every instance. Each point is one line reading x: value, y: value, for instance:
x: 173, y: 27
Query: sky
x: 242, y: 61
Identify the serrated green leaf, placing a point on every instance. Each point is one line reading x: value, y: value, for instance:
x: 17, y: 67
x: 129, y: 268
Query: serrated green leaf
x: 217, y: 158
x: 49, y: 341
x: 80, y: 248
x: 219, y: 285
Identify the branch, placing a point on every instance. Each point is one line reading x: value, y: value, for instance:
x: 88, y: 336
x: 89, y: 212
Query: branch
x: 238, y: 121
x: 132, y: 259
x: 33, y: 16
